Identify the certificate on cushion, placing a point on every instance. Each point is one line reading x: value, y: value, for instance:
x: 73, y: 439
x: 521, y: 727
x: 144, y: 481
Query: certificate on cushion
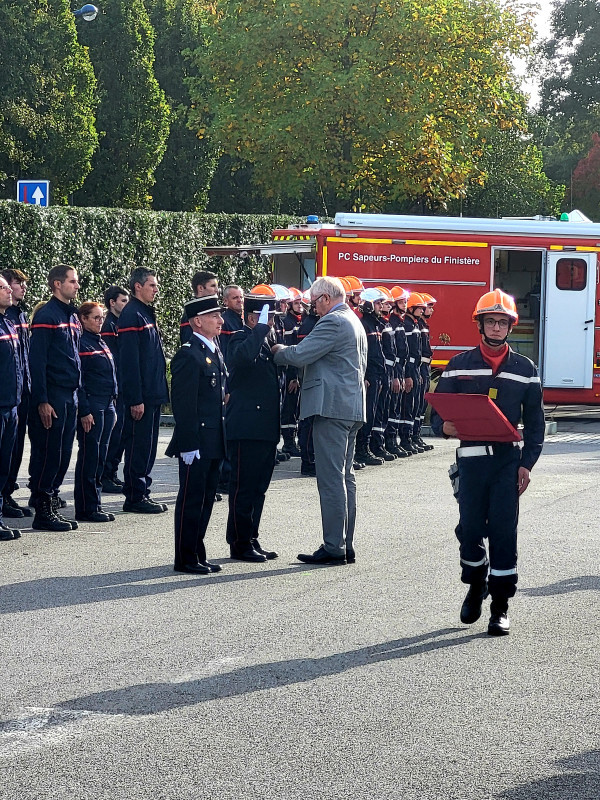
x: 476, y: 417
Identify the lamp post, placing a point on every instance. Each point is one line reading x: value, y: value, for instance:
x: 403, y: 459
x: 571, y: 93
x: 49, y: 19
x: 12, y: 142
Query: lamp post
x: 87, y: 12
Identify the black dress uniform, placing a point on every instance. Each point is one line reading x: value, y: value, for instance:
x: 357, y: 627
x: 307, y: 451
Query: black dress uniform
x: 16, y: 314
x: 425, y: 372
x: 143, y: 380
x: 394, y: 419
x: 488, y: 491
x: 252, y: 432
x: 232, y: 322
x: 305, y: 426
x: 11, y: 370
x: 96, y: 396
x: 376, y: 377
x: 110, y: 336
x: 382, y: 414
x: 198, y: 398
x: 291, y: 400
x: 55, y: 377
x: 410, y: 399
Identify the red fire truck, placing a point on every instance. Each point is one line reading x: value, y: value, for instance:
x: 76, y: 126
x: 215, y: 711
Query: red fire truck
x: 549, y: 266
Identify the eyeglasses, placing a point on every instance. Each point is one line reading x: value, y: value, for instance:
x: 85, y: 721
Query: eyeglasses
x: 98, y: 317
x: 501, y: 323
x: 320, y: 297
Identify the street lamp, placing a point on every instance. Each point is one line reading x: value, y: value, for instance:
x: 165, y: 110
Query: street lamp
x: 87, y: 12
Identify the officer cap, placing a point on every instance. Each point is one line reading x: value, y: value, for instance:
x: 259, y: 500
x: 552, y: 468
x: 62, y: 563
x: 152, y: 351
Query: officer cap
x: 202, y: 305
x: 253, y: 303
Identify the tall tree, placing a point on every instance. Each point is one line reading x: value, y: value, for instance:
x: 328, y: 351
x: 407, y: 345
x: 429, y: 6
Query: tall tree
x: 133, y: 115
x: 183, y: 176
x: 585, y: 186
x: 379, y: 100
x: 47, y: 102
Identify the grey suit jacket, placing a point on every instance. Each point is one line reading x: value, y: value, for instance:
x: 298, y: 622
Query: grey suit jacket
x: 334, y: 357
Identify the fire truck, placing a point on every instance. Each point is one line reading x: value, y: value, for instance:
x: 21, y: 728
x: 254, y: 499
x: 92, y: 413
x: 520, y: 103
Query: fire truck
x: 549, y: 266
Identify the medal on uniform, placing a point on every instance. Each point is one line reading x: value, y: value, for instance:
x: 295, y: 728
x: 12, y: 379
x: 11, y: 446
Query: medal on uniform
x: 493, y: 393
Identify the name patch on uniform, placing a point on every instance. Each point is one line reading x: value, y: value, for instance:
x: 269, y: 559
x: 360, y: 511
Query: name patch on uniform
x: 493, y: 394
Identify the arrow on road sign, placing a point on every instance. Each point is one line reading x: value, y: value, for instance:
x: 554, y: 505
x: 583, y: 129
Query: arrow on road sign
x: 38, y: 195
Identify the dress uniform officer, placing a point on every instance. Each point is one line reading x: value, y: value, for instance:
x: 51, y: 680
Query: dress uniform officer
x: 493, y: 475
x: 96, y: 415
x: 415, y: 305
x: 11, y: 370
x: 305, y: 426
x: 253, y: 420
x: 144, y: 389
x: 204, y: 284
x: 115, y: 300
x: 198, y: 378
x: 17, y: 281
x: 290, y: 408
x: 55, y: 377
x: 396, y: 321
x: 375, y: 377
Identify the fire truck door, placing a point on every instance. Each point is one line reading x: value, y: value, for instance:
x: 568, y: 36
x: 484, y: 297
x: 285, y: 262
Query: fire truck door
x: 569, y: 308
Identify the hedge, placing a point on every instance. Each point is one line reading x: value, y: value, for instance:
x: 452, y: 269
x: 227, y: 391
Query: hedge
x: 104, y: 244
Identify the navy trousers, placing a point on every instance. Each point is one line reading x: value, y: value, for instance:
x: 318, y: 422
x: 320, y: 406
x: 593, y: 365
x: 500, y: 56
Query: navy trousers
x: 408, y: 411
x: 8, y: 432
x: 140, y: 440
x: 193, y: 508
x: 290, y: 410
x: 373, y: 393
x: 17, y: 454
x: 115, y: 445
x: 252, y: 463
x: 488, y: 501
x: 91, y: 458
x: 305, y: 440
x: 51, y: 449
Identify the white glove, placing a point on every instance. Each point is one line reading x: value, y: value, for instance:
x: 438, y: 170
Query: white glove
x: 264, y: 315
x: 188, y: 458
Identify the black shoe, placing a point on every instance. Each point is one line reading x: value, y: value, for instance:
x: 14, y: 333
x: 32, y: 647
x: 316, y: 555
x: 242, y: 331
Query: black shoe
x: 194, y: 569
x: 499, y: 624
x: 268, y: 554
x: 370, y: 459
x: 95, y: 516
x: 357, y: 465
x: 350, y: 556
x: 212, y: 567
x: 56, y: 506
x: 471, y: 608
x: 61, y: 503
x: 162, y: 506
x: 308, y: 470
x: 8, y: 534
x: 406, y: 446
x: 109, y: 514
x: 46, y: 520
x: 218, y: 497
x: 383, y: 453
x: 321, y: 556
x: 292, y: 450
x: 281, y: 456
x: 144, y: 506
x: 417, y: 447
x: 12, y: 510
x: 109, y: 486
x: 424, y: 445
x: 249, y: 554
x: 393, y: 448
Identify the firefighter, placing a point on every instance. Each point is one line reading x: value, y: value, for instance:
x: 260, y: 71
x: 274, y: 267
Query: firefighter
x: 305, y: 426
x: 493, y: 475
x: 291, y: 390
x: 391, y: 384
x: 204, y: 284
x: 375, y: 377
x: 396, y: 320
x: 16, y: 313
x: 233, y: 316
x: 353, y: 296
x: 415, y: 305
x: 425, y: 369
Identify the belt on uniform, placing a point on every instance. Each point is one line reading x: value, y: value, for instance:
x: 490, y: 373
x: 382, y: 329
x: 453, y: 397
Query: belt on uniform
x: 481, y: 450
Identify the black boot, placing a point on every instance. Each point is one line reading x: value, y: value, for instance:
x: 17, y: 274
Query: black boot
x: 366, y: 457
x: 381, y: 452
x: 499, y: 624
x: 56, y: 506
x: 416, y: 446
x: 12, y: 510
x: 45, y: 519
x: 392, y: 447
x: 291, y: 448
x: 423, y: 444
x: 407, y: 446
x: 471, y: 607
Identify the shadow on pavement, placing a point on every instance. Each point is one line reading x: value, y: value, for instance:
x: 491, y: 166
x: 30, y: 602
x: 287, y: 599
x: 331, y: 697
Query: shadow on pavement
x: 584, y: 583
x: 154, y: 698
x: 582, y: 783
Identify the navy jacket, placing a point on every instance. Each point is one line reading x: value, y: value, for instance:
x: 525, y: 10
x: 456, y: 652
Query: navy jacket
x: 11, y: 367
x: 413, y: 338
x: 141, y: 356
x: 397, y: 325
x: 373, y: 326
x: 198, y: 399
x: 98, y: 376
x: 516, y: 390
x: 426, y: 350
x: 54, y: 350
x: 18, y: 317
x: 253, y: 408
x: 110, y: 337
x: 308, y: 323
x: 232, y: 322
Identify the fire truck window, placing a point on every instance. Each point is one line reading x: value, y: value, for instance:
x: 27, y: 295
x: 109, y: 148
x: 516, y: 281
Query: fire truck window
x: 571, y: 274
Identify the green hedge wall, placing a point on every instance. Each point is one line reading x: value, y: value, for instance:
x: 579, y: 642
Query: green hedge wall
x: 104, y: 244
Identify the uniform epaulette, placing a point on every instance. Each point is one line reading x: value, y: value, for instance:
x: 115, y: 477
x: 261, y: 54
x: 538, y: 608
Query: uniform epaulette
x: 187, y: 344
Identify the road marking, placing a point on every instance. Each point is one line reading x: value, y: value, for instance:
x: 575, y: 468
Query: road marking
x: 574, y: 438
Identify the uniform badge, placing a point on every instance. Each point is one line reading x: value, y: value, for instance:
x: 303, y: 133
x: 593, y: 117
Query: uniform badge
x: 493, y: 394
x: 213, y: 382
x: 208, y: 361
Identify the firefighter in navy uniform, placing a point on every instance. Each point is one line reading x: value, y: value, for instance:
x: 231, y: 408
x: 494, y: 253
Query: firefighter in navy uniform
x: 144, y: 389
x: 290, y: 408
x: 493, y: 475
x: 96, y: 415
x: 253, y: 419
x: 233, y: 316
x: 16, y: 313
x: 391, y: 386
x: 115, y: 300
x: 11, y: 370
x: 198, y: 377
x: 425, y: 369
x: 375, y: 376
x: 55, y: 377
x: 415, y: 305
x: 305, y: 426
x: 204, y: 284
x: 396, y: 321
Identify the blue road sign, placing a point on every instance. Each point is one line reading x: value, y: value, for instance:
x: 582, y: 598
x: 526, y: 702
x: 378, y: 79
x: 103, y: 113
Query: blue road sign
x: 36, y: 193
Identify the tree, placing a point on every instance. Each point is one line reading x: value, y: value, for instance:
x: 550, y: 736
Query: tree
x: 585, y: 185
x: 133, y: 115
x: 183, y: 176
x: 47, y: 103
x: 381, y: 100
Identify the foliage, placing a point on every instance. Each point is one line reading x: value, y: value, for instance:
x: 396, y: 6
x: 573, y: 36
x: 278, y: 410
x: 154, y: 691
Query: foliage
x: 47, y: 104
x: 375, y: 101
x: 184, y: 175
x: 104, y: 244
x: 586, y: 181
x: 133, y: 115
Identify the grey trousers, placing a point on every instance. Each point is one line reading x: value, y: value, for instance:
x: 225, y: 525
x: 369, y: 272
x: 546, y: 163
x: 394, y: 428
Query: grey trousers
x: 334, y: 443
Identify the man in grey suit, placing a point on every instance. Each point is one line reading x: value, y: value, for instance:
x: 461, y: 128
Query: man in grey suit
x: 334, y: 357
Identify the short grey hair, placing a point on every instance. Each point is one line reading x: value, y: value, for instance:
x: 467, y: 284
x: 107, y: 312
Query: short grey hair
x: 331, y: 286
x: 232, y: 287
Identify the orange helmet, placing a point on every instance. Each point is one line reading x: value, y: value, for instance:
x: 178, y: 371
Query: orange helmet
x: 431, y: 301
x: 263, y: 289
x: 295, y: 294
x: 398, y: 293
x: 386, y: 292
x: 356, y: 285
x: 415, y: 299
x: 346, y: 284
x: 496, y: 302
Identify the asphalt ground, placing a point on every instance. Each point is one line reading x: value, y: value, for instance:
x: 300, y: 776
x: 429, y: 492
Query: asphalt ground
x: 123, y: 679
